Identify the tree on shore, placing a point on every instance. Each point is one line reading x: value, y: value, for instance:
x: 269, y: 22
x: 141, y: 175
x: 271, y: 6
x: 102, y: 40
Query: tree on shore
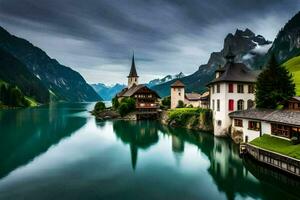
x: 100, y: 106
x: 274, y: 86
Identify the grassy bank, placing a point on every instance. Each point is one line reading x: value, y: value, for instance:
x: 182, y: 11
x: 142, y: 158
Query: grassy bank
x: 192, y: 118
x: 293, y: 65
x: 278, y: 145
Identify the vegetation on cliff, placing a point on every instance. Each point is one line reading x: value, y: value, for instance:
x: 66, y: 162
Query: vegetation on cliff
x: 12, y: 96
x: 293, y: 65
x: 191, y: 118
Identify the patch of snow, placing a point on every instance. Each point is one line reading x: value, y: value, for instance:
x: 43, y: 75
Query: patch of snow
x: 38, y: 76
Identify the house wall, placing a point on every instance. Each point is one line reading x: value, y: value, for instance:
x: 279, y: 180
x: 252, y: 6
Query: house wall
x: 224, y: 96
x: 177, y: 94
x: 193, y: 103
x: 251, y: 134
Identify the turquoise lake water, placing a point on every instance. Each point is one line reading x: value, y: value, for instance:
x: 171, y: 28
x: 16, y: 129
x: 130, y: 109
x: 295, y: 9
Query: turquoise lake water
x: 61, y: 152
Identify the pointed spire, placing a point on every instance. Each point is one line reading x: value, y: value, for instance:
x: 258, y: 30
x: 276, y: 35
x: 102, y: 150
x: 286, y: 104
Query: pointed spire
x: 133, y: 72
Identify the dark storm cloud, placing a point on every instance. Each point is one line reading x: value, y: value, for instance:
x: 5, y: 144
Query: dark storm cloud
x: 96, y: 37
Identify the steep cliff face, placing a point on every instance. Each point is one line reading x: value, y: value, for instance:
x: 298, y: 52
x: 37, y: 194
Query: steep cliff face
x: 64, y: 82
x: 248, y: 47
x: 15, y: 73
x: 287, y: 43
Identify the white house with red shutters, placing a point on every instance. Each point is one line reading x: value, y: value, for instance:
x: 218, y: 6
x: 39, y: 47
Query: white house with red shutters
x: 231, y: 90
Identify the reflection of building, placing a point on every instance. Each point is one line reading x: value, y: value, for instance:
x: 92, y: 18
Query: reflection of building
x: 231, y: 90
x: 146, y: 99
x: 177, y: 144
x: 138, y: 134
x: 189, y: 99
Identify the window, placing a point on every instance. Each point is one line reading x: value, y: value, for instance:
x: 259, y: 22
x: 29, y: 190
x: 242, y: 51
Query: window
x: 179, y: 94
x: 218, y: 88
x: 218, y: 105
x: 213, y: 89
x: 231, y: 105
x: 219, y: 122
x: 253, y: 125
x: 230, y: 88
x: 240, y: 88
x: 250, y: 104
x: 240, y: 104
x: 250, y: 88
x: 281, y: 130
x: 238, y: 122
x: 213, y: 104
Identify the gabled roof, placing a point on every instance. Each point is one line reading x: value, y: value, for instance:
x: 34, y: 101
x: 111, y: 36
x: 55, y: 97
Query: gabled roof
x: 288, y: 117
x: 133, y: 72
x: 193, y: 96
x: 178, y: 83
x: 131, y: 91
x: 236, y: 72
x: 296, y: 98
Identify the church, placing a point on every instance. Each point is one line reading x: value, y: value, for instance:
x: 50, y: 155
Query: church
x: 147, y: 100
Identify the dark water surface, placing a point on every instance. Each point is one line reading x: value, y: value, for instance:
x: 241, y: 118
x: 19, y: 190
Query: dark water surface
x: 61, y: 152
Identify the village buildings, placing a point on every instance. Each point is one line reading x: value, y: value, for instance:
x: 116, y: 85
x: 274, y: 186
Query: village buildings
x: 147, y: 100
x: 189, y: 99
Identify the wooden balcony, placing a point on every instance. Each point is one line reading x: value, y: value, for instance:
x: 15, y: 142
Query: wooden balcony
x: 147, y: 105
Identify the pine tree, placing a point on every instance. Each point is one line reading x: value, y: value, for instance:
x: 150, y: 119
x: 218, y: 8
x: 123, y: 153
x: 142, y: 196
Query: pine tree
x: 274, y: 86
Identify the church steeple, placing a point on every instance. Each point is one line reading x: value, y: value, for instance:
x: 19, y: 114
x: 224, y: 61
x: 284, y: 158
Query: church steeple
x: 133, y: 72
x: 132, y: 77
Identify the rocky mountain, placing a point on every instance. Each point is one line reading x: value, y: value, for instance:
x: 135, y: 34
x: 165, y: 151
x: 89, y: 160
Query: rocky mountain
x: 164, y: 79
x: 107, y: 92
x: 248, y: 48
x: 16, y: 73
x: 287, y: 42
x: 63, y: 82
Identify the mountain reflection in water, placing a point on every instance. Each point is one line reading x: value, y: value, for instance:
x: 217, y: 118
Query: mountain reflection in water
x: 61, y: 152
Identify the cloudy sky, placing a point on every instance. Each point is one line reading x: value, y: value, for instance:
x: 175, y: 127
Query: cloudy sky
x: 97, y: 37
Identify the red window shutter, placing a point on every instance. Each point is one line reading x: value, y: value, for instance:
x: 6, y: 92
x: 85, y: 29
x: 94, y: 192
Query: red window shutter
x: 230, y: 88
x: 231, y: 105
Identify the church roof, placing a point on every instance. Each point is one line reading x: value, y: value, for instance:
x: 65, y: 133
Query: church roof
x: 133, y: 72
x: 131, y: 91
x: 177, y: 83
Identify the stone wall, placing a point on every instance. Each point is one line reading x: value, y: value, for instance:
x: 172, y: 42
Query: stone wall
x: 279, y: 161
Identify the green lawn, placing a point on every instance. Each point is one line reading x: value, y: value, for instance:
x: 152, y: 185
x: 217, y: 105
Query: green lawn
x: 277, y: 145
x: 293, y: 65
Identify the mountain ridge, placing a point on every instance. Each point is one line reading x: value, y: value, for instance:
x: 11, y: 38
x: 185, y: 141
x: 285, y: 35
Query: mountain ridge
x: 241, y: 43
x: 66, y: 83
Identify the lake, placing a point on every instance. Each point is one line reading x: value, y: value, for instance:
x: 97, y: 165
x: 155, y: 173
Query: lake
x: 61, y: 152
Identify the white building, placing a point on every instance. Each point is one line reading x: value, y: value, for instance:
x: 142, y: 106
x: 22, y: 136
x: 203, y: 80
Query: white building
x: 231, y: 90
x: 189, y: 99
x: 250, y: 124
